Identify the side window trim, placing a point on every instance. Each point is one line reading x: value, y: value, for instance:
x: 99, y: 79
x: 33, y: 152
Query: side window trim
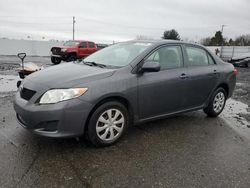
x: 167, y: 45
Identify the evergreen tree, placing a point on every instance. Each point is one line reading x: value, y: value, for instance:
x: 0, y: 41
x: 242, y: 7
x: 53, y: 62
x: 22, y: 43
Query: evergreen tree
x: 171, y: 34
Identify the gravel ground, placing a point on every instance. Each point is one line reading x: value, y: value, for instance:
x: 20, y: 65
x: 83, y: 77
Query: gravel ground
x: 242, y: 90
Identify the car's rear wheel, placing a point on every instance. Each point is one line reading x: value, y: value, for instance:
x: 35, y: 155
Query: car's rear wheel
x: 216, y: 103
x: 107, y: 124
x: 56, y: 60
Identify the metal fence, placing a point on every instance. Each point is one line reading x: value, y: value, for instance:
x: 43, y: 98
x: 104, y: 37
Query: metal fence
x: 31, y: 47
x: 227, y: 52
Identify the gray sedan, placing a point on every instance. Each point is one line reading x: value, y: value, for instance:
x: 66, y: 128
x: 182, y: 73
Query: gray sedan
x: 123, y: 84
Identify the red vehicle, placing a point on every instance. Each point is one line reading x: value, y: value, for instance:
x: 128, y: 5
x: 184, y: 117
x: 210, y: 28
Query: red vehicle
x: 72, y: 50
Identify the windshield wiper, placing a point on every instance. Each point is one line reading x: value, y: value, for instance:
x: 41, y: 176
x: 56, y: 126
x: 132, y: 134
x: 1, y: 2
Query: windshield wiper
x: 92, y: 63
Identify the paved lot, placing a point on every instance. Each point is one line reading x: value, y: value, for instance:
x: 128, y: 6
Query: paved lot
x: 189, y: 150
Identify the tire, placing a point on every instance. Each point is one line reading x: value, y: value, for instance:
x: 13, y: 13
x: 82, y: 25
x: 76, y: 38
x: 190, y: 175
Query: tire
x: 216, y: 103
x: 100, y: 119
x: 71, y: 58
x: 19, y: 82
x: 56, y: 60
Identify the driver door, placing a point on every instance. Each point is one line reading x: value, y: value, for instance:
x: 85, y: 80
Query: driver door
x: 162, y: 92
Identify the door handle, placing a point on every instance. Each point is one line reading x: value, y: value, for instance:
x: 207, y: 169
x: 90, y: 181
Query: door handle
x: 215, y: 71
x: 183, y: 76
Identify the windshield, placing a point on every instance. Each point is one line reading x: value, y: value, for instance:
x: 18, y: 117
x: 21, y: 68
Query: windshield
x: 118, y: 55
x: 71, y: 43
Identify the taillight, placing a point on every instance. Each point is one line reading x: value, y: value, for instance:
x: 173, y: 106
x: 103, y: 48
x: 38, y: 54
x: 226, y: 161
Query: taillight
x: 235, y: 72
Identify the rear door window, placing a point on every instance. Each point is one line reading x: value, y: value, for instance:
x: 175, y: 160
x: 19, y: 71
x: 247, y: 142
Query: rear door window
x: 196, y: 56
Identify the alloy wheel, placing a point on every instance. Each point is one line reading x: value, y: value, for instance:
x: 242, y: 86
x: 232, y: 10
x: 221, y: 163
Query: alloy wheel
x: 219, y: 101
x: 110, y: 124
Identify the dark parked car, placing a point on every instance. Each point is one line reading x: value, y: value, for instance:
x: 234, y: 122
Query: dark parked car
x: 101, y: 46
x: 241, y: 61
x: 121, y: 85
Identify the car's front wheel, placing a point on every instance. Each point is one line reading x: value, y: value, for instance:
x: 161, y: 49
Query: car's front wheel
x: 55, y: 60
x: 216, y: 103
x: 107, y: 124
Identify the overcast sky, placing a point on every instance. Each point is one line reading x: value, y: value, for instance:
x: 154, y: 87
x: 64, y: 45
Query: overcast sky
x: 118, y: 20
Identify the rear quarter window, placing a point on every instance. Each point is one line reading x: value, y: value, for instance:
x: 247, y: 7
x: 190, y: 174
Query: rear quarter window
x: 210, y: 59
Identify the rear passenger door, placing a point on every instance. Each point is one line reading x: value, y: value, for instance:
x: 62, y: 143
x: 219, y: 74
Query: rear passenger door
x: 202, y: 75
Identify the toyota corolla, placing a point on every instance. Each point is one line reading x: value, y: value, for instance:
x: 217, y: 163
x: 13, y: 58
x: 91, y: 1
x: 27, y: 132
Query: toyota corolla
x: 124, y: 84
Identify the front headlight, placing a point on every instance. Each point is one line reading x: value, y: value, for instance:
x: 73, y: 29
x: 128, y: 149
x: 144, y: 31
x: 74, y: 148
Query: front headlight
x: 58, y: 95
x: 63, y: 49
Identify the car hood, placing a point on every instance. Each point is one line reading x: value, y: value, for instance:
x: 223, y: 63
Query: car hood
x: 68, y: 75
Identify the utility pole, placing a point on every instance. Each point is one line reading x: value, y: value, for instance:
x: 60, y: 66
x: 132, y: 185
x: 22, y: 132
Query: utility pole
x: 222, y: 28
x: 74, y: 21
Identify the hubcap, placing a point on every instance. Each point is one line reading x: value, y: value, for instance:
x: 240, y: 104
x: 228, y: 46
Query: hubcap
x: 219, y: 101
x: 110, y: 124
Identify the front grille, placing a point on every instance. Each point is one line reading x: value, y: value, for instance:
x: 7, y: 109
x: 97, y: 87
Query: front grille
x: 56, y: 50
x: 27, y: 94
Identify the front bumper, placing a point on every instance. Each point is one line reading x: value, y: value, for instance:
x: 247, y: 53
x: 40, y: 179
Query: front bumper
x: 62, y: 56
x: 63, y: 119
x: 54, y: 55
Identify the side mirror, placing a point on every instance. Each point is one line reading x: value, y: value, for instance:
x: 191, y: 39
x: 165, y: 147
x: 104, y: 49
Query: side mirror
x: 150, y: 66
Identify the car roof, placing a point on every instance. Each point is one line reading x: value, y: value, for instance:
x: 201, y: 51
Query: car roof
x: 163, y: 41
x: 80, y: 41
